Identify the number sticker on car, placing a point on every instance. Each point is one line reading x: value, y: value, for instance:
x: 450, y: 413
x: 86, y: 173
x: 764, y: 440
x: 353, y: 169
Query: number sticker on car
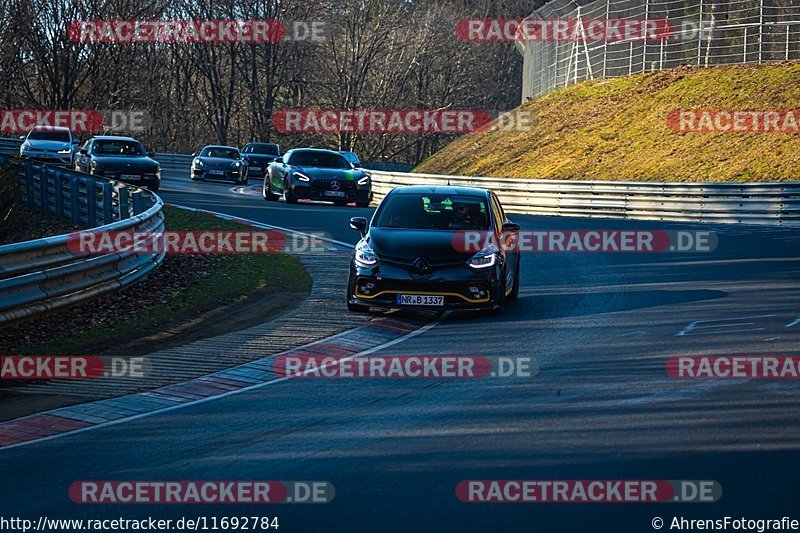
x: 420, y: 299
x: 338, y: 194
x: 129, y: 176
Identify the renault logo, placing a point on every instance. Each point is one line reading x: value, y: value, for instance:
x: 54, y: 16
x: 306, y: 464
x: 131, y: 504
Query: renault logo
x: 334, y: 185
x: 421, y: 264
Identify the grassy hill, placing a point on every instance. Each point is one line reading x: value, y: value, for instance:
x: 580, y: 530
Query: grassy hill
x: 617, y: 130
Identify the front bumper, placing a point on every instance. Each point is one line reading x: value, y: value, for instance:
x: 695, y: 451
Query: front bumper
x: 130, y: 176
x: 50, y: 158
x: 349, y: 192
x: 225, y: 175
x: 462, y: 287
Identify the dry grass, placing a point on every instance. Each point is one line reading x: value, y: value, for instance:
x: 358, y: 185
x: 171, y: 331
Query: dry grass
x: 617, y: 130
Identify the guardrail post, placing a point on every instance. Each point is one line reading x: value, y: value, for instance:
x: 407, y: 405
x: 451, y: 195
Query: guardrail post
x: 28, y: 169
x: 59, y: 192
x: 75, y: 204
x: 124, y: 203
x: 108, y: 194
x: 91, y: 203
x: 138, y: 203
x: 43, y: 190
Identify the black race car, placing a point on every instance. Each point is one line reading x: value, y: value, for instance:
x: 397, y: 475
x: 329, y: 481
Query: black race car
x: 313, y: 174
x: 119, y: 158
x: 258, y: 157
x: 435, y: 247
x: 219, y: 163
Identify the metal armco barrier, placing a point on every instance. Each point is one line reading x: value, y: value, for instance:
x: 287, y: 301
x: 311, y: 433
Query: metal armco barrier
x: 43, y: 275
x: 754, y: 203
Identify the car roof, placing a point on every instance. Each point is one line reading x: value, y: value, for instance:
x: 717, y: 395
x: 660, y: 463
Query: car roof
x: 45, y: 127
x: 113, y: 138
x: 257, y: 142
x: 219, y: 146
x: 320, y: 150
x: 440, y: 189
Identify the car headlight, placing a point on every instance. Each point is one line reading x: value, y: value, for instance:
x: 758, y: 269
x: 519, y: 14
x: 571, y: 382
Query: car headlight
x: 237, y: 164
x: 198, y: 162
x: 486, y: 258
x: 301, y: 177
x: 364, y: 255
x: 65, y: 151
x: 364, y: 180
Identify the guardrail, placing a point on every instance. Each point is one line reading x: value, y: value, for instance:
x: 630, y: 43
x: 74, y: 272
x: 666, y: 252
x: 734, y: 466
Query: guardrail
x: 760, y: 203
x: 46, y: 274
x: 174, y: 161
x: 9, y: 146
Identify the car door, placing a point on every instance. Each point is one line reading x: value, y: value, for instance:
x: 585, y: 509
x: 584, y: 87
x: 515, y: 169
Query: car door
x: 278, y: 171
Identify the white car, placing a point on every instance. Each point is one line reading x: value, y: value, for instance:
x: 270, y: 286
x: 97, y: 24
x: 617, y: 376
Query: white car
x: 49, y: 144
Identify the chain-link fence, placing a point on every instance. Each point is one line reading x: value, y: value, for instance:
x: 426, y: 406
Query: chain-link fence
x: 701, y: 32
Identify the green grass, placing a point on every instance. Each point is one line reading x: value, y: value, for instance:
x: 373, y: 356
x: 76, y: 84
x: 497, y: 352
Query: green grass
x: 231, y: 279
x: 617, y: 130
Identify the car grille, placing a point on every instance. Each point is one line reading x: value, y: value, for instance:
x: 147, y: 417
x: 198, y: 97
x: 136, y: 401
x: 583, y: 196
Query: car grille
x: 325, y: 185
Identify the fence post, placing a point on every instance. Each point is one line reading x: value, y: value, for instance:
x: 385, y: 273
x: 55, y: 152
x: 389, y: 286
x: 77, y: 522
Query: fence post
x: 644, y: 43
x: 43, y: 190
x: 605, y: 40
x: 744, y: 47
x: 700, y: 34
x: 124, y: 204
x: 59, y: 193
x: 760, y: 29
x: 29, y: 183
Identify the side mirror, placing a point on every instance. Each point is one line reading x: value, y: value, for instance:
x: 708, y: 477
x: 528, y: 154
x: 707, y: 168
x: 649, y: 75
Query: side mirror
x: 21, y: 137
x: 511, y: 226
x: 84, y: 151
x: 76, y: 141
x: 356, y: 165
x: 359, y: 224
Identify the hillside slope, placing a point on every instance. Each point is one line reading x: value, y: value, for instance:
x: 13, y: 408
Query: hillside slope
x: 617, y: 130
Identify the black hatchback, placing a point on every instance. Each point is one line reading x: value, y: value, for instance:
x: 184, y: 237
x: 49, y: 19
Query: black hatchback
x: 119, y: 158
x: 435, y: 247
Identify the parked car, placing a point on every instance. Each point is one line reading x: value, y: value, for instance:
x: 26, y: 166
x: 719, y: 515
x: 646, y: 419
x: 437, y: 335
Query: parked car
x: 258, y: 157
x: 49, y: 144
x: 120, y: 158
x: 313, y: 174
x: 219, y: 163
x: 408, y: 257
x: 352, y: 158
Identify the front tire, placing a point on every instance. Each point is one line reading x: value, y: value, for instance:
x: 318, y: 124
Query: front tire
x: 362, y: 204
x: 288, y: 195
x: 500, y: 304
x: 266, y: 193
x: 515, y: 290
x: 340, y: 203
x: 153, y: 186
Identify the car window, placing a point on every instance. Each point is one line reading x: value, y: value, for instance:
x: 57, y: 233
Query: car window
x: 351, y: 157
x: 49, y: 135
x: 434, y: 211
x: 264, y: 149
x: 117, y: 147
x: 223, y: 153
x: 318, y: 160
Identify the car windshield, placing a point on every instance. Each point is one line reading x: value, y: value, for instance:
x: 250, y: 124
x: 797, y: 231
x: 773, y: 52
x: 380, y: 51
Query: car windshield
x: 117, y: 147
x: 350, y: 156
x: 49, y: 135
x: 434, y: 211
x: 265, y: 149
x: 318, y: 160
x: 222, y: 153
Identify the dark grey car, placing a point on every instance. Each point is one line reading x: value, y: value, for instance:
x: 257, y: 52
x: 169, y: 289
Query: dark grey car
x: 219, y: 163
x: 119, y: 158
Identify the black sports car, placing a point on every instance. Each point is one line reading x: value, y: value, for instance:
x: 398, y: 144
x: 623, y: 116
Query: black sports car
x: 219, y: 163
x: 258, y: 157
x: 317, y: 175
x: 119, y: 158
x: 414, y: 253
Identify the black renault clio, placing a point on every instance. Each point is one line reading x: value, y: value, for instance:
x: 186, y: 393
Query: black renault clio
x: 435, y: 247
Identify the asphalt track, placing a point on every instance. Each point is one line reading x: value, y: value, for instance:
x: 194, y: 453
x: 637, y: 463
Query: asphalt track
x: 601, y: 407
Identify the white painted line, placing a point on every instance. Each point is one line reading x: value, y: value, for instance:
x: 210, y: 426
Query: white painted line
x: 796, y: 321
x: 694, y: 325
